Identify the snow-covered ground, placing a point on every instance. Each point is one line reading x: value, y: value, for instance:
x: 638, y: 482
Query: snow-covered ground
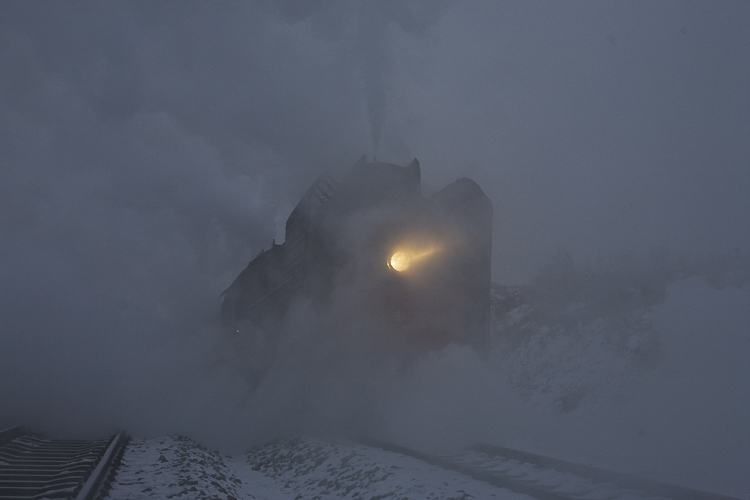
x: 681, y: 418
x: 299, y: 468
x: 658, y: 389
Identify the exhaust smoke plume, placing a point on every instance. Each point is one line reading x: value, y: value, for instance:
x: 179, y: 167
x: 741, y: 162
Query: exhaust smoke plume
x: 371, y: 33
x: 414, y: 18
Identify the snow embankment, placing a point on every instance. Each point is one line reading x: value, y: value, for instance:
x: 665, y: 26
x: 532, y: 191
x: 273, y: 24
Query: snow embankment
x: 299, y: 468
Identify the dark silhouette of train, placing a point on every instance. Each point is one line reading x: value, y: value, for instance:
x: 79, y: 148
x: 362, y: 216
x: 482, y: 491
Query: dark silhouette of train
x: 372, y: 248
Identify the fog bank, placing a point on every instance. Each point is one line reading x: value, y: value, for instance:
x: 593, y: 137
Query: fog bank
x: 148, y: 151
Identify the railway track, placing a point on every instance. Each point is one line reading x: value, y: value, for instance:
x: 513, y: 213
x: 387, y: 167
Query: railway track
x: 34, y: 467
x: 547, y: 478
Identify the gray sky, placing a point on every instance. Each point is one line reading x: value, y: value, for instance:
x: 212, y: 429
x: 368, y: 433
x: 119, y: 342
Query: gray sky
x: 149, y: 150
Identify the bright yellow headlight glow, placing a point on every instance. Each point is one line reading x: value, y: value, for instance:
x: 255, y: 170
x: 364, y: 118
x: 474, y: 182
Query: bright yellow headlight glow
x: 400, y: 261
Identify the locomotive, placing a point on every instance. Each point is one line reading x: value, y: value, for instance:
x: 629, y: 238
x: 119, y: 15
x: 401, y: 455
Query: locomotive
x: 415, y: 269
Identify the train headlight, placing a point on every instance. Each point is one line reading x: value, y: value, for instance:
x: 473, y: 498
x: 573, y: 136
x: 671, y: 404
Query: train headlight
x: 400, y: 261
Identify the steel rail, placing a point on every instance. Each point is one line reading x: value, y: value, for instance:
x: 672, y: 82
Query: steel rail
x: 95, y: 480
x: 33, y: 467
x: 623, y: 482
x: 499, y: 481
x: 649, y: 486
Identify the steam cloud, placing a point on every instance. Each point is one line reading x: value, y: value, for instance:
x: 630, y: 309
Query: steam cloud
x: 372, y: 28
x: 146, y: 151
x: 371, y: 36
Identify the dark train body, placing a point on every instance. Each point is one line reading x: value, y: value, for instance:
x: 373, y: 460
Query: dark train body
x: 372, y: 250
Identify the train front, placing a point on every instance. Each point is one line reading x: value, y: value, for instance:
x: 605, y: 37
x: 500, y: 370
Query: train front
x: 381, y: 266
x: 423, y: 263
